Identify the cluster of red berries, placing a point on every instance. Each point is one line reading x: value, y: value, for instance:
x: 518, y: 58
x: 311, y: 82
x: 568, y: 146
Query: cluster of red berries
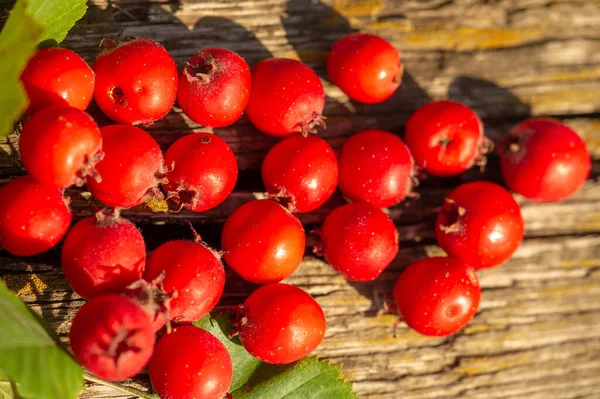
x: 132, y: 298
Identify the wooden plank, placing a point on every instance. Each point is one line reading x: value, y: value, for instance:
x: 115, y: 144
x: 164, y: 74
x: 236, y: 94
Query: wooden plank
x: 536, y: 334
x: 553, y: 66
x: 414, y: 217
x: 250, y: 146
x: 539, y: 321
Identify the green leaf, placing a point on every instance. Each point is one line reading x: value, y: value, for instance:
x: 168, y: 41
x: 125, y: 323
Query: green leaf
x: 244, y: 364
x: 18, y: 39
x: 30, y: 22
x: 252, y: 379
x: 57, y: 17
x: 31, y: 357
x: 307, y: 378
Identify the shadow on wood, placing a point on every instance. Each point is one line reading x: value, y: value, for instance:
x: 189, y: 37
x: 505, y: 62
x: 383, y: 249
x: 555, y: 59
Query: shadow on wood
x: 312, y: 46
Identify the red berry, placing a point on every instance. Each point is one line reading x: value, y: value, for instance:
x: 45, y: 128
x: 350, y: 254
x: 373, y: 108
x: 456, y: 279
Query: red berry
x: 112, y: 337
x: 544, y: 160
x: 480, y: 223
x: 60, y: 145
x: 214, y: 87
x: 103, y: 254
x: 136, y: 81
x: 287, y: 97
x: 34, y: 217
x: 282, y: 324
x: 194, y: 271
x: 263, y: 242
x: 359, y: 241
x: 204, y: 173
x: 57, y: 76
x: 365, y: 66
x: 446, y: 138
x: 130, y: 169
x: 301, y: 171
x: 376, y: 167
x: 190, y: 363
x: 437, y: 296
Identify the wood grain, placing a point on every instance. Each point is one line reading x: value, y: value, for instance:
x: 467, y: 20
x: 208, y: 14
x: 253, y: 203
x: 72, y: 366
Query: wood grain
x: 539, y: 311
x: 537, y: 333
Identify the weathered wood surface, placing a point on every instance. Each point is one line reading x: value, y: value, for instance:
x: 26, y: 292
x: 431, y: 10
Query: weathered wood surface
x: 537, y: 333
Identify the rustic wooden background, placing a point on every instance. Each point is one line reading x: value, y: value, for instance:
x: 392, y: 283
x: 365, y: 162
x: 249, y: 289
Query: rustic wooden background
x: 537, y: 333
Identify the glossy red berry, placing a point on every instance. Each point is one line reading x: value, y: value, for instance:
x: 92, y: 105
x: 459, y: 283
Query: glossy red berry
x: 34, y: 217
x: 103, y: 254
x: 57, y: 76
x: 282, y: 324
x: 136, y: 81
x: 190, y: 363
x: 112, y: 337
x: 192, y: 270
x: 365, y: 66
x: 131, y: 168
x: 214, y: 87
x: 544, y: 160
x: 376, y: 167
x: 359, y: 241
x: 446, y: 138
x: 437, y: 296
x: 287, y: 97
x: 480, y: 223
x: 302, y: 172
x: 263, y: 242
x: 60, y: 146
x: 204, y: 171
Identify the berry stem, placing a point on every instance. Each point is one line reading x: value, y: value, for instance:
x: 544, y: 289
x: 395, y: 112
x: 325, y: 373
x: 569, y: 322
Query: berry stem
x: 197, y: 237
x: 124, y: 389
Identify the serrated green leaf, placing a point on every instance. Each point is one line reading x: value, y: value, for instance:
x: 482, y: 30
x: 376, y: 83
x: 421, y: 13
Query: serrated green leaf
x: 57, y: 17
x: 30, y: 23
x: 244, y: 364
x: 18, y: 39
x: 307, y: 378
x: 252, y: 379
x: 31, y: 357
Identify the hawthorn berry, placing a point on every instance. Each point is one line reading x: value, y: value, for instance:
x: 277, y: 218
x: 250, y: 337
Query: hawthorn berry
x: 376, y: 167
x: 112, y: 337
x: 57, y: 76
x: 301, y: 172
x: 544, y: 160
x: 281, y: 324
x: 103, y: 254
x: 131, y: 169
x: 358, y: 240
x: 365, y: 66
x: 446, y: 138
x: 204, y: 171
x: 60, y: 146
x: 136, y: 81
x: 34, y: 217
x: 287, y: 97
x: 151, y: 296
x: 480, y: 223
x: 263, y: 242
x: 190, y: 363
x: 214, y: 87
x: 437, y: 296
x: 192, y: 271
